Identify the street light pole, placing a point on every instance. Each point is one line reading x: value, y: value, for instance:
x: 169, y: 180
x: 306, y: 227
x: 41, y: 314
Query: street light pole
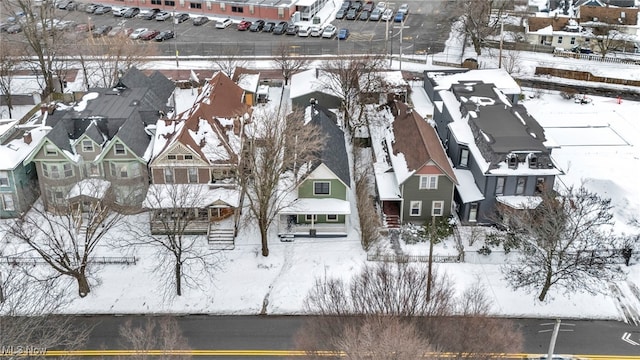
x: 401, y: 28
x: 175, y: 37
x: 501, y: 40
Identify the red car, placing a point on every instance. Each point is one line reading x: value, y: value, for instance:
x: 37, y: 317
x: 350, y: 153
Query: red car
x: 244, y: 25
x: 148, y: 35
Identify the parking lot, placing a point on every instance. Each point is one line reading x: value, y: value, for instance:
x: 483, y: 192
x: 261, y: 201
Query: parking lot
x: 423, y: 31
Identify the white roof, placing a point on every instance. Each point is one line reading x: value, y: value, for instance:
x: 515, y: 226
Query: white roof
x: 388, y: 188
x: 499, y: 77
x: 467, y: 187
x: 520, y: 202
x: 318, y: 206
x: 94, y: 188
x: 393, y: 80
x: 249, y: 82
x: 306, y: 82
x: 15, y: 151
x: 163, y: 196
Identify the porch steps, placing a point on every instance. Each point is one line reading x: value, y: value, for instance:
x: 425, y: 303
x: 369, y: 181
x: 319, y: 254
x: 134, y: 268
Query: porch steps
x: 221, y: 239
x: 287, y: 237
x: 392, y: 221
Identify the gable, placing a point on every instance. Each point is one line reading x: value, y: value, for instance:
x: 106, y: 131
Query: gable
x: 179, y: 151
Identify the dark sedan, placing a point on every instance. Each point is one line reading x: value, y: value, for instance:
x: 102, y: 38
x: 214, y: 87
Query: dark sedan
x: 258, y: 25
x: 292, y: 29
x: 165, y: 35
x: 182, y: 17
x: 268, y: 27
x: 131, y: 12
x: 200, y: 20
x: 280, y: 28
x: 102, y: 10
x: 149, y: 34
x: 101, y: 30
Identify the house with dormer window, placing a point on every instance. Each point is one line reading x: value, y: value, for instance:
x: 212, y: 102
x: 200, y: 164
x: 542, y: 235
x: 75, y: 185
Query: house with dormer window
x: 195, y: 161
x: 500, y: 154
x: 415, y: 181
x: 100, y: 145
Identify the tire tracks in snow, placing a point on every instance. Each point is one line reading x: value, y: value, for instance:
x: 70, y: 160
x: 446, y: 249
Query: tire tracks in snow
x: 627, y: 297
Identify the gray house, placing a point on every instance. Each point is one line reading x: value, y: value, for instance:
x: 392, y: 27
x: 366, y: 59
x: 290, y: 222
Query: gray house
x: 98, y: 147
x: 499, y: 152
x: 314, y: 84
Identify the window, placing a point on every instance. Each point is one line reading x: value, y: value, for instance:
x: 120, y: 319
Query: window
x: 118, y: 149
x: 310, y: 217
x: 237, y: 9
x: 415, y: 208
x: 169, y: 2
x: 87, y: 145
x: 68, y: 170
x: 193, y: 175
x: 156, y: 2
x: 168, y: 176
x: 500, y: 185
x: 54, y: 171
x: 195, y: 5
x: 332, y: 217
x: 559, y: 39
x: 188, y: 157
x: 50, y: 150
x: 522, y: 182
x: 473, y: 212
x: 123, y: 171
x: 572, y: 41
x: 540, y: 185
x: 429, y: 182
x: 321, y: 188
x: 437, y: 208
x: 45, y: 170
x: 464, y: 157
x: 4, y: 178
x: 7, y: 201
x: 93, y: 169
x: 171, y: 157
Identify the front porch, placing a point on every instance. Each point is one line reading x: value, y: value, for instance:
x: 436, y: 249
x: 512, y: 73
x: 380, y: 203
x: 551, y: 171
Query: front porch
x: 191, y: 221
x: 315, y: 218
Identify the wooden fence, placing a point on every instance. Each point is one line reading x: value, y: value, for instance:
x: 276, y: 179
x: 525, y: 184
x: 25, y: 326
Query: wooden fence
x: 102, y: 260
x: 413, y: 258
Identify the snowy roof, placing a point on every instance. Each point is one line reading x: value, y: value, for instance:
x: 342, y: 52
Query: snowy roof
x: 520, y: 202
x: 14, y: 152
x: 467, y: 187
x: 249, y: 82
x: 388, y: 188
x: 499, y: 77
x: 318, y: 206
x: 93, y: 188
x: 162, y: 196
x: 309, y: 81
x: 382, y: 81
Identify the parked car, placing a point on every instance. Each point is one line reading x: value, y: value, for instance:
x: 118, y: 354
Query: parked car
x: 101, y: 10
x: 165, y: 35
x: 345, y: 5
x: 381, y: 5
x: 351, y: 14
x: 149, y: 14
x: 280, y: 28
x: 581, y: 50
x: 119, y: 11
x: 84, y: 27
x: 182, y: 17
x: 67, y: 5
x: 304, y: 31
x: 148, y: 35
x: 135, y: 34
x: 404, y: 8
x: 343, y: 34
x: 399, y: 17
x: 315, y: 31
x: 243, y: 25
x: 364, y: 15
x: 268, y: 27
x: 223, y: 24
x: 101, y: 30
x: 375, y: 14
x: 329, y: 31
x: 162, y: 16
x: 292, y: 29
x: 65, y: 25
x: 357, y: 5
x: 368, y: 6
x: 14, y: 29
x: 131, y: 12
x: 387, y: 15
x: 90, y: 8
x: 341, y: 13
x: 257, y: 25
x: 200, y: 20
x: 115, y: 31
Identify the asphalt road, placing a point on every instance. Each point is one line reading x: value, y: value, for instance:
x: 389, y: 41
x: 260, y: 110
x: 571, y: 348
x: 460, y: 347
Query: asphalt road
x: 425, y: 30
x: 268, y: 333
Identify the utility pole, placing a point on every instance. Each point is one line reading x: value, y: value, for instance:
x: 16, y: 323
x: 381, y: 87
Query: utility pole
x: 175, y: 37
x: 501, y: 41
x: 431, y: 240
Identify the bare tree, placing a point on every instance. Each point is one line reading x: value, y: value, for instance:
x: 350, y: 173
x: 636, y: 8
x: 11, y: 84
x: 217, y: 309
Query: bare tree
x: 607, y: 38
x: 566, y: 242
x: 345, y: 77
x: 229, y: 60
x: 28, y: 324
x: 278, y: 146
x: 10, y: 59
x: 183, y: 258
x: 288, y: 62
x: 152, y: 335
x: 480, y: 19
x: 67, y: 240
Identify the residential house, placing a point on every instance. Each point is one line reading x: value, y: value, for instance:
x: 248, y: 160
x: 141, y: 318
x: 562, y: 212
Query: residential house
x: 99, y: 146
x: 195, y: 163
x: 414, y: 178
x: 434, y: 81
x: 561, y: 32
x: 316, y: 85
x: 621, y: 19
x: 321, y: 203
x: 499, y: 152
x: 18, y: 181
x: 249, y: 81
x: 383, y: 86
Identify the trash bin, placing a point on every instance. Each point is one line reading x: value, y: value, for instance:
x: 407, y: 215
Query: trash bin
x: 312, y: 232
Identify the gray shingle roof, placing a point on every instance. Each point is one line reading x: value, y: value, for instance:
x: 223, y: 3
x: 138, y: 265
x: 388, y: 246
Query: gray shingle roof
x: 334, y: 153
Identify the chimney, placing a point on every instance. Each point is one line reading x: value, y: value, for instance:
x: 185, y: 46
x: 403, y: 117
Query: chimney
x: 27, y: 138
x: 236, y: 126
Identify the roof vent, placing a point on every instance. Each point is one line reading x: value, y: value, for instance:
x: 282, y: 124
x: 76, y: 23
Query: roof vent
x: 512, y: 161
x: 533, y: 161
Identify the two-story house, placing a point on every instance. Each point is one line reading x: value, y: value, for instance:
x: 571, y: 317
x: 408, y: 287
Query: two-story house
x: 194, y: 166
x: 321, y: 203
x: 99, y: 146
x: 500, y: 154
x: 414, y: 178
x: 18, y: 181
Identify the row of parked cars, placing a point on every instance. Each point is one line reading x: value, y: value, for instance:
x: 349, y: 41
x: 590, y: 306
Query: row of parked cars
x: 282, y: 27
x: 352, y: 10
